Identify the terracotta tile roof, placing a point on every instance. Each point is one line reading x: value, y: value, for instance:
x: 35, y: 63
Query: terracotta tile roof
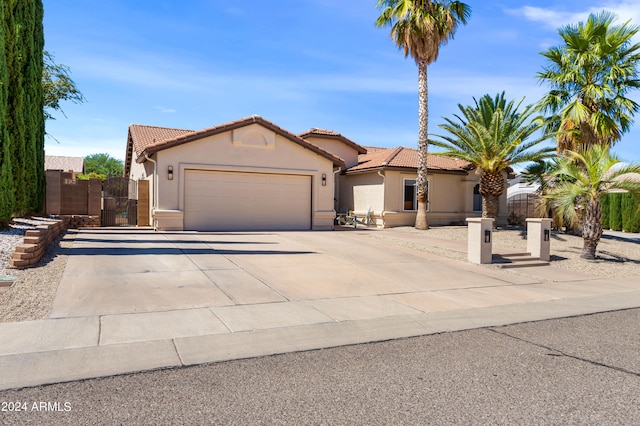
x: 145, y: 136
x: 330, y: 134
x: 406, y: 158
x: 150, y: 139
x: 316, y: 131
x: 56, y: 162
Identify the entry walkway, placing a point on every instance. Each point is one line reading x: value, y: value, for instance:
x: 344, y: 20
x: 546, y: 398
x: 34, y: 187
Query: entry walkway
x: 133, y: 300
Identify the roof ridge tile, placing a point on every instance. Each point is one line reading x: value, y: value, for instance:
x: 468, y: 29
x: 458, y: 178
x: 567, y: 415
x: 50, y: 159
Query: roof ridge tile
x: 393, y: 155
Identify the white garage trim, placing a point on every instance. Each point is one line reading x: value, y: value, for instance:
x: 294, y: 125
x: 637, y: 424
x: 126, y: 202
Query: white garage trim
x: 221, y: 200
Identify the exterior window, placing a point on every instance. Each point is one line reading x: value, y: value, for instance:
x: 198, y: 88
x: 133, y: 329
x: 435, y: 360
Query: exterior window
x: 410, y: 200
x: 477, y: 199
x: 410, y: 195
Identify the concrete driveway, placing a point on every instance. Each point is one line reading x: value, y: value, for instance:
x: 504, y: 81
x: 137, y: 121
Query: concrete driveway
x: 319, y: 276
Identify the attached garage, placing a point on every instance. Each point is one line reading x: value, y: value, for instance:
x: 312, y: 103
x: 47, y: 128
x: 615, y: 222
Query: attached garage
x: 245, y: 175
x: 237, y: 201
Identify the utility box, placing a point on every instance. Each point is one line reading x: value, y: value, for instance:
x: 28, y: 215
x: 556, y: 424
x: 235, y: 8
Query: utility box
x: 480, y: 239
x: 539, y: 238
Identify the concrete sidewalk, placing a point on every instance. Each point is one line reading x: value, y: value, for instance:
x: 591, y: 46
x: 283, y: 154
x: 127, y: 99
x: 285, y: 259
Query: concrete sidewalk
x: 134, y: 300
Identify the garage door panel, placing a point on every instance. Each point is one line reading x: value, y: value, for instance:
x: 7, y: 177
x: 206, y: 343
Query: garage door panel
x: 216, y: 200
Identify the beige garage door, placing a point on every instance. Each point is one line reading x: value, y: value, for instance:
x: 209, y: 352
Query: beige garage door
x: 234, y: 201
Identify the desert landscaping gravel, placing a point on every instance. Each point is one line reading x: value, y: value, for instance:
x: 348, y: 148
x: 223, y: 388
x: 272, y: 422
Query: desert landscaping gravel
x: 31, y: 295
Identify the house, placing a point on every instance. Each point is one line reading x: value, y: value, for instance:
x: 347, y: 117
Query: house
x: 251, y: 174
x: 73, y: 165
x: 379, y: 184
x: 522, y: 200
x: 248, y: 174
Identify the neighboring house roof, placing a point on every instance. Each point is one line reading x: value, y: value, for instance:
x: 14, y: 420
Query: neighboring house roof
x: 66, y: 164
x: 407, y: 158
x: 149, y: 139
x: 519, y: 186
x: 330, y: 134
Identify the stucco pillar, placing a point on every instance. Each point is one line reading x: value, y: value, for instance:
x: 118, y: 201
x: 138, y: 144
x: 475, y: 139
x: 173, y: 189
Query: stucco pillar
x: 479, y: 239
x: 539, y: 238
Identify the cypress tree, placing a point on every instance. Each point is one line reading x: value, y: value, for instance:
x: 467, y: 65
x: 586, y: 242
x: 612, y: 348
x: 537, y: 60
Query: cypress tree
x: 15, y: 116
x: 604, y: 202
x: 25, y: 121
x: 630, y: 215
x: 7, y: 198
x: 34, y: 153
x: 615, y: 213
x: 635, y: 218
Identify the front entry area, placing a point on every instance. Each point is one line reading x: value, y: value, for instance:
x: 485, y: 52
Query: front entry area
x: 242, y: 201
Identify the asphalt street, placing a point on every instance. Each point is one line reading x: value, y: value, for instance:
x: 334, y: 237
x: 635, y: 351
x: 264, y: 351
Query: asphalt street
x: 581, y: 370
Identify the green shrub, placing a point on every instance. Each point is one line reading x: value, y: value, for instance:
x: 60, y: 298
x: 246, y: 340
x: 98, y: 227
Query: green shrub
x: 615, y: 211
x: 604, y: 201
x: 630, y: 214
x: 7, y: 200
x: 92, y: 175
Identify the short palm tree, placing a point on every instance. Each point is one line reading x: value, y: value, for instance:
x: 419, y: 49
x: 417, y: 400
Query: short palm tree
x: 581, y: 180
x: 420, y: 27
x: 590, y: 76
x: 493, y: 135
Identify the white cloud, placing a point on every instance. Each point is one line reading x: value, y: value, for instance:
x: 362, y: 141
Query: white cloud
x: 462, y: 87
x: 555, y: 18
x: 552, y: 18
x: 165, y: 110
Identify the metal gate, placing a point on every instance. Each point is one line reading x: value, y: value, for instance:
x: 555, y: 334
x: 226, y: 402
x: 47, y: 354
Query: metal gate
x: 119, y: 202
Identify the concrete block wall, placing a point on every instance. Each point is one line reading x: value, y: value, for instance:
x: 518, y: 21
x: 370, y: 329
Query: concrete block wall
x: 67, y: 196
x: 35, y: 243
x: 76, y: 221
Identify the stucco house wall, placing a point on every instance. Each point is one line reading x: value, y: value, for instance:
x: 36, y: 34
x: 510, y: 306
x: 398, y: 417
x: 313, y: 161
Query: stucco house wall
x: 235, y: 151
x: 362, y: 193
x: 336, y: 147
x: 450, y: 197
x: 383, y: 197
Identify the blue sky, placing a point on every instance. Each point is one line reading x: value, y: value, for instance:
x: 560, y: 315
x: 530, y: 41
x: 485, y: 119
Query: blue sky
x: 193, y: 64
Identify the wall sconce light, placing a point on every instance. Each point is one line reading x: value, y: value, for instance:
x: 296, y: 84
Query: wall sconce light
x: 546, y: 234
x: 324, y: 179
x: 170, y: 173
x: 487, y: 236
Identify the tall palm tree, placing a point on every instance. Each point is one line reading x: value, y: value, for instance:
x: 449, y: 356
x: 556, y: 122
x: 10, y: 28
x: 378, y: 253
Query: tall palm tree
x: 493, y: 135
x: 582, y: 179
x: 420, y: 27
x: 590, y: 76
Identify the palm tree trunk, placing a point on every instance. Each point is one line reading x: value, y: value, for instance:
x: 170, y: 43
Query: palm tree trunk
x: 491, y: 206
x: 592, y: 229
x: 491, y: 188
x: 423, y: 121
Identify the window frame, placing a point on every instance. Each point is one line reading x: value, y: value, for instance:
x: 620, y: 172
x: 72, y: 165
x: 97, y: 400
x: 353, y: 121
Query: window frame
x: 474, y: 198
x: 415, y: 194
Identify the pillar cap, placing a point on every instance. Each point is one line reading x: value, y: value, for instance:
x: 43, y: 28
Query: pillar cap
x: 479, y: 219
x: 539, y: 219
